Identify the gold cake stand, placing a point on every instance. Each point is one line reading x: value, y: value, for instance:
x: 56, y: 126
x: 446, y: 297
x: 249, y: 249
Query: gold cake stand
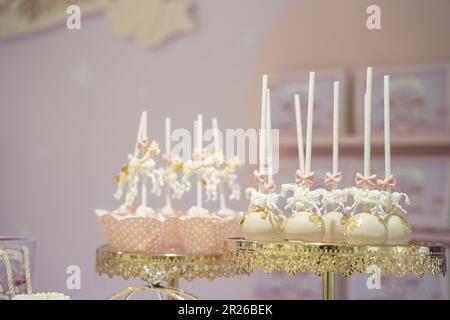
x: 325, y: 260
x: 155, y: 269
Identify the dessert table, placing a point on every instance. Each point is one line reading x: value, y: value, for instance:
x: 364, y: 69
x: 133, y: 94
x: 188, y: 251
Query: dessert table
x: 326, y: 259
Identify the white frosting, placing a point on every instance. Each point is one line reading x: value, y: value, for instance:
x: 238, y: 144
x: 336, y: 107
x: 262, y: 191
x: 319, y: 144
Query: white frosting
x: 42, y: 296
x: 145, y: 212
x: 168, y: 212
x: 141, y: 212
x: 197, y: 212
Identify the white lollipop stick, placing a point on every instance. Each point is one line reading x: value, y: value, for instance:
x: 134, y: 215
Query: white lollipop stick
x: 309, y: 124
x: 144, y: 177
x: 168, y: 152
x: 387, y: 128
x: 367, y: 122
x: 298, y: 123
x: 139, y: 135
x: 336, y: 129
x: 217, y: 150
x: 269, y: 140
x: 387, y: 137
x: 199, y: 148
x: 262, y: 134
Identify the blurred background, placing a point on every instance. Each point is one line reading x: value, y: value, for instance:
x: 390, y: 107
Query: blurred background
x: 70, y: 100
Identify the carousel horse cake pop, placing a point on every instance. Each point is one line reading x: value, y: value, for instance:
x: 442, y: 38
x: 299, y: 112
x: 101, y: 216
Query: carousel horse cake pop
x: 305, y: 223
x: 335, y: 219
x: 366, y: 227
x: 203, y: 231
x: 398, y: 229
x: 127, y: 228
x: 263, y: 220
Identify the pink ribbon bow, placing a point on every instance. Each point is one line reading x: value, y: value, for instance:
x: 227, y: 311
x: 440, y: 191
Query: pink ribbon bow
x: 270, y: 187
x: 331, y: 179
x: 388, y: 183
x: 142, y: 144
x: 198, y: 155
x: 301, y: 179
x: 167, y: 158
x: 259, y: 176
x: 369, y: 182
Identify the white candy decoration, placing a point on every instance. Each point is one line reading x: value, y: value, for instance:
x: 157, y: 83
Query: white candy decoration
x: 140, y: 164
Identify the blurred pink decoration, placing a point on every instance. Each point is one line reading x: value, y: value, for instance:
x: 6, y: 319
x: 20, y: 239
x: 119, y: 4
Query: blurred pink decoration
x: 285, y: 85
x: 419, y: 99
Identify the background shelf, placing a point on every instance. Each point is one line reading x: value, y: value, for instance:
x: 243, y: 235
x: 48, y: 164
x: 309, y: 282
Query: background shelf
x: 352, y: 144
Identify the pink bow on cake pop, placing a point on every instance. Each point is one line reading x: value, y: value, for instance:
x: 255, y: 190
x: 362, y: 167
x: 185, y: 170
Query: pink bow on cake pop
x: 270, y: 187
x: 369, y: 181
x: 167, y: 158
x: 259, y: 176
x: 142, y: 144
x: 198, y: 155
x: 331, y: 179
x: 301, y: 179
x: 388, y: 183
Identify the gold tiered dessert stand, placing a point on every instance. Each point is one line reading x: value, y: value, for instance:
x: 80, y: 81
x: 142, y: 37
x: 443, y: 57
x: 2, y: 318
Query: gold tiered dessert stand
x: 156, y: 269
x: 326, y: 260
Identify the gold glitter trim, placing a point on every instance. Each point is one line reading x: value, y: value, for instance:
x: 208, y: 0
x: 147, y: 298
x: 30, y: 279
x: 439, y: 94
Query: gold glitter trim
x: 155, y: 268
x: 295, y: 256
x: 318, y: 222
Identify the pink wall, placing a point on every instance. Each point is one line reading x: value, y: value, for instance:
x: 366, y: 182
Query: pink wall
x: 314, y: 35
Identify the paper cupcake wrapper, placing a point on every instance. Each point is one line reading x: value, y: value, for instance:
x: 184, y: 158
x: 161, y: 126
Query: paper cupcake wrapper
x: 194, y: 235
x: 133, y: 234
x: 203, y: 235
x: 232, y: 228
x: 170, y: 232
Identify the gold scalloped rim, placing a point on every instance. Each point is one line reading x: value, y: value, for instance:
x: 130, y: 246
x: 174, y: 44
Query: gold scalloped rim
x: 295, y: 256
x: 154, y: 268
